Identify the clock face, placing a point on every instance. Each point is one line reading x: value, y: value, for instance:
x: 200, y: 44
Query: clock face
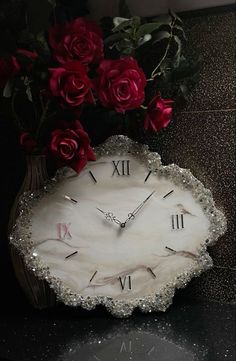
x: 124, y: 232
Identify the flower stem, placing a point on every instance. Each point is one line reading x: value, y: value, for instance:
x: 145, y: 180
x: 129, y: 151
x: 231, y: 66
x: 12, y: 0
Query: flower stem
x: 154, y: 72
x: 14, y: 113
x: 43, y: 116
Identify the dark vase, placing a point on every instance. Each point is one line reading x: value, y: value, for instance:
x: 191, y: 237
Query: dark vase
x: 38, y: 292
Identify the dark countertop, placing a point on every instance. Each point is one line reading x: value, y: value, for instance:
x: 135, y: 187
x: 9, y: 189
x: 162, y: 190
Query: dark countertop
x: 186, y: 332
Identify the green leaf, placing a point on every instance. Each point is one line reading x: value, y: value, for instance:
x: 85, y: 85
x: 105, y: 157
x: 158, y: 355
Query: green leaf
x: 148, y: 28
x: 145, y: 39
x: 127, y: 24
x: 160, y: 36
x: 125, y: 46
x: 7, y: 91
x: 127, y: 51
x: 117, y: 20
x: 124, y: 9
x: 179, y: 28
x: 114, y: 38
x: 184, y: 91
x: 42, y: 40
x: 179, y: 48
x: 29, y: 94
x: 122, y: 26
x: 136, y: 21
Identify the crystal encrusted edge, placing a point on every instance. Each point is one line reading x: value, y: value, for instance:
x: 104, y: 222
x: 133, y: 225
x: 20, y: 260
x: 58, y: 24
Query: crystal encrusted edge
x: 119, y: 145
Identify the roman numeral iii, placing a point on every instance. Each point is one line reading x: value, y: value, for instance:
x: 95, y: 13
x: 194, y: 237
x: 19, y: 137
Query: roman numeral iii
x: 177, y: 221
x: 121, y: 167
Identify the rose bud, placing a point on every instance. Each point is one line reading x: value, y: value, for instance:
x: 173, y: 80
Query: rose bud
x: 159, y: 114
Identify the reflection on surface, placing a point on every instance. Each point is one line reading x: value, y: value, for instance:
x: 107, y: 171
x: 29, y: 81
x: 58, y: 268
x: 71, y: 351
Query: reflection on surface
x: 133, y: 346
x: 186, y: 332
x: 147, y: 338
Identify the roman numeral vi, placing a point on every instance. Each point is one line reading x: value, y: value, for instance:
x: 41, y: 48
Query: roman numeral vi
x: 126, y: 283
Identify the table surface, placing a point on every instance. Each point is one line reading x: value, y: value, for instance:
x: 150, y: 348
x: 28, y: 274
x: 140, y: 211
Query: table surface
x: 186, y: 332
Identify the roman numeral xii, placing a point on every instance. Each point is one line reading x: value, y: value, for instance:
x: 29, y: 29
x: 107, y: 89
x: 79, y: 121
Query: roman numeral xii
x: 121, y: 167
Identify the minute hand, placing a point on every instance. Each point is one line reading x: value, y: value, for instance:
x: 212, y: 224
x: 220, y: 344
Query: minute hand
x: 137, y: 209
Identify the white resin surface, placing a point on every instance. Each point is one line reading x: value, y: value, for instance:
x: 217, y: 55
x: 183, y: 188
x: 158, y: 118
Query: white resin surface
x: 103, y: 246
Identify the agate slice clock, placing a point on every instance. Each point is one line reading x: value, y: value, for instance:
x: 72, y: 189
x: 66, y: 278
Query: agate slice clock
x: 125, y: 233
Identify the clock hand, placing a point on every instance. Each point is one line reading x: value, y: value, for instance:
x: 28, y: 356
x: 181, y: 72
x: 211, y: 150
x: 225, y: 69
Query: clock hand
x: 136, y: 210
x: 110, y: 216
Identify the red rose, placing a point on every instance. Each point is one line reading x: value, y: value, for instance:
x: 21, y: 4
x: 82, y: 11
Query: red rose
x: 159, y: 114
x: 79, y: 40
x: 70, y: 146
x: 27, y: 142
x: 71, y: 84
x: 8, y: 68
x: 121, y: 84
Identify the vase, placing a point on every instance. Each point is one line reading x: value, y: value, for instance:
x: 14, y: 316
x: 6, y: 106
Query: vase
x: 38, y: 292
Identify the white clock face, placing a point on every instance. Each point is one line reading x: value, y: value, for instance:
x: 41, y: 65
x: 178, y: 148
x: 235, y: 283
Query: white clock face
x: 120, y: 230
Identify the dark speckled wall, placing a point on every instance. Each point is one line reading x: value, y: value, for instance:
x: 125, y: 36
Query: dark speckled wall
x: 202, y: 138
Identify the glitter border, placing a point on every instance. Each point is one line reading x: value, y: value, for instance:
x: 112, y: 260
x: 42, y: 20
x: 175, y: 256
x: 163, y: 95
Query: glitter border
x: 183, y: 178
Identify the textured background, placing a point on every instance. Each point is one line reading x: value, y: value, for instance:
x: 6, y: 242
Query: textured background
x: 201, y: 137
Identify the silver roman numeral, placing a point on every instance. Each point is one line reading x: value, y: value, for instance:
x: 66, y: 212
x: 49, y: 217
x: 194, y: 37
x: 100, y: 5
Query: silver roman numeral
x: 121, y: 167
x: 177, y: 221
x: 126, y: 283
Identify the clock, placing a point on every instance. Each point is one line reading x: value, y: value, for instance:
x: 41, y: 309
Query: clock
x: 124, y: 233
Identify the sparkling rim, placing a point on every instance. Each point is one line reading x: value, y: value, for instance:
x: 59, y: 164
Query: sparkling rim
x: 121, y: 145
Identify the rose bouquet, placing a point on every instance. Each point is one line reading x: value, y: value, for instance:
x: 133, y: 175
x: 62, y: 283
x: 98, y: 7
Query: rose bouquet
x: 79, y: 81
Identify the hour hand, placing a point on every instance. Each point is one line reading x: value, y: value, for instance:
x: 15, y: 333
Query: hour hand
x: 109, y: 216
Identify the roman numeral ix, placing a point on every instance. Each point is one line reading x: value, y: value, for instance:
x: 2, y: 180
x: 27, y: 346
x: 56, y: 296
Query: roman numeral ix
x: 63, y: 231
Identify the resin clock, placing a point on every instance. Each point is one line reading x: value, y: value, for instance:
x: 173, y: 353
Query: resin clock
x: 125, y: 233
